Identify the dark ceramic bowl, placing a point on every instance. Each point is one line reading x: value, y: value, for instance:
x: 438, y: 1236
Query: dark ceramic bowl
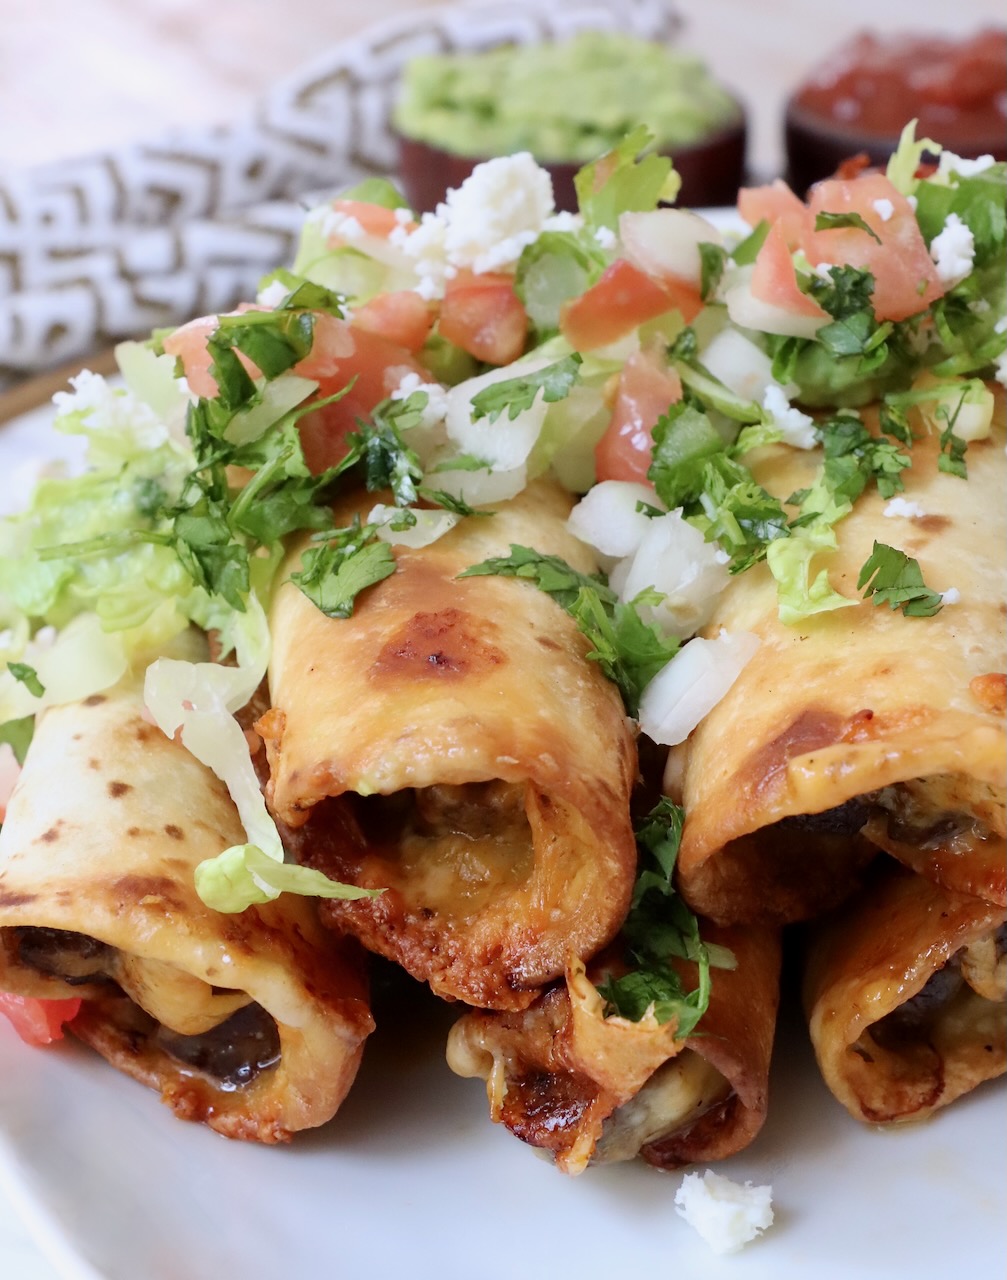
x: 711, y: 170
x: 817, y: 146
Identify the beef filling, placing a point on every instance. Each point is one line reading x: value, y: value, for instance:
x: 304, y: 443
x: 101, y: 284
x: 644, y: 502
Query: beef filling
x: 233, y: 1053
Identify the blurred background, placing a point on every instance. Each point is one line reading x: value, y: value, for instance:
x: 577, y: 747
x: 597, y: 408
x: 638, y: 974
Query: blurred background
x: 76, y: 77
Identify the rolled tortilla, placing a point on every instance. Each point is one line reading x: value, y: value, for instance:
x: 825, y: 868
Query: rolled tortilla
x: 253, y: 1023
x: 452, y: 744
x: 905, y: 993
x: 593, y: 1090
x: 860, y: 728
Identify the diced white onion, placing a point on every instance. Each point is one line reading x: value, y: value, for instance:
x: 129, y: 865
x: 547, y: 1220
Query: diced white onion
x: 665, y: 242
x: 504, y: 444
x: 429, y: 526
x: 675, y: 559
x: 479, y: 488
x: 740, y: 365
x: 606, y: 517
x: 692, y: 684
x: 750, y: 312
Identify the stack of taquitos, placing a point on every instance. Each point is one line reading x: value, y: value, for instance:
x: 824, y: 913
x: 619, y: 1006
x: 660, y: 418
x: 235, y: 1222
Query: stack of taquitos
x: 255, y: 1023
x: 862, y: 730
x: 452, y: 744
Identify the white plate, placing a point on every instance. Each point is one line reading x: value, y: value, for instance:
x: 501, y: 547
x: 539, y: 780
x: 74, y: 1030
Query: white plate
x: 411, y: 1179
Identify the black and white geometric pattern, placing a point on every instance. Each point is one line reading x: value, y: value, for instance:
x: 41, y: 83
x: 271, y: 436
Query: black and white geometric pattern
x: 110, y: 246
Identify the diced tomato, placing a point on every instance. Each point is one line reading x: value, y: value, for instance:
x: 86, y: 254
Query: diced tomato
x: 622, y: 300
x: 905, y: 277
x: 779, y: 206
x: 774, y: 279
x: 374, y: 219
x: 38, y: 1021
x: 403, y: 317
x: 647, y: 387
x: 484, y: 316
x: 339, y: 353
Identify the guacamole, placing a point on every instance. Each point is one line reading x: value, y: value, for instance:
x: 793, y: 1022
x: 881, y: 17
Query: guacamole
x: 567, y: 101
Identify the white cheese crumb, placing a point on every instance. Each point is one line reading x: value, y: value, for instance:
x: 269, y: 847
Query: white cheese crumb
x: 797, y: 428
x: 563, y: 221
x: 437, y: 398
x: 726, y: 1214
x: 403, y: 216
x: 272, y: 295
x: 483, y: 224
x: 951, y: 596
x: 953, y: 250
x: 949, y: 163
x: 336, y: 225
x: 605, y: 237
x: 903, y: 507
x: 912, y: 202
x: 883, y: 208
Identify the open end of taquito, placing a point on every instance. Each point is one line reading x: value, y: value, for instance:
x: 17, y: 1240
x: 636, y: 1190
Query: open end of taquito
x: 905, y: 993
x: 252, y: 1023
x: 452, y: 744
x: 860, y: 728
x: 592, y: 1090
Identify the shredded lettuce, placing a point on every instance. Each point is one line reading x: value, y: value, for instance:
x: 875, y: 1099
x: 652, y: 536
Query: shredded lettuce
x: 906, y: 157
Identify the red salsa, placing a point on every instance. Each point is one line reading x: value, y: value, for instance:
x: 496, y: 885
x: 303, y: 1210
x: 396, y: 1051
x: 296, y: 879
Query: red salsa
x: 859, y: 99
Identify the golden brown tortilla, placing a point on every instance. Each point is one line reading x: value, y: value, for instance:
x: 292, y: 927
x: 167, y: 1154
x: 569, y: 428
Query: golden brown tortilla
x: 452, y: 744
x: 860, y: 728
x: 905, y: 992
x: 253, y: 1023
x: 591, y: 1089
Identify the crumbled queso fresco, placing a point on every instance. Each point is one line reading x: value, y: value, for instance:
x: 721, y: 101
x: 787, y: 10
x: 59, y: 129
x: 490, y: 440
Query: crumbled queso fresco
x: 953, y: 250
x: 726, y: 1214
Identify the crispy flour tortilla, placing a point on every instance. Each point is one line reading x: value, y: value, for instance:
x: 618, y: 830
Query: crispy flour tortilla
x: 860, y: 729
x: 253, y: 1023
x: 452, y: 743
x: 591, y: 1089
x: 905, y: 992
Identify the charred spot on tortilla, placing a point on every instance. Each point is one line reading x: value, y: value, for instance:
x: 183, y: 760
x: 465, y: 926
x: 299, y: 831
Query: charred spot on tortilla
x: 449, y: 643
x: 95, y: 700
x: 990, y: 691
x: 118, y: 789
x: 175, y: 832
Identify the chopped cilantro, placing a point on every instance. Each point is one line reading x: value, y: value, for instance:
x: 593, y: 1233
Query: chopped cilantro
x: 889, y: 576
x: 839, y: 221
x: 660, y: 927
x: 629, y: 650
x: 712, y: 260
x: 745, y: 252
x: 27, y: 676
x: 624, y: 181
x: 334, y: 573
x: 853, y: 458
x: 515, y: 395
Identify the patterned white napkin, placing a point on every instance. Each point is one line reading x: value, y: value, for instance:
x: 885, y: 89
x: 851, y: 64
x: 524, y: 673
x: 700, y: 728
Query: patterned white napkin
x: 113, y: 245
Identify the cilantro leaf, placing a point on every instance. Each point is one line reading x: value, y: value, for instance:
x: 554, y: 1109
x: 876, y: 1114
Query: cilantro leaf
x: 659, y: 928
x: 389, y: 463
x: 839, y: 221
x: 853, y: 458
x: 889, y: 576
x: 18, y: 735
x: 28, y: 676
x: 745, y: 253
x: 334, y: 573
x: 515, y: 395
x: 620, y: 182
x: 550, y: 574
x: 629, y: 650
x: 712, y: 260
x: 304, y: 294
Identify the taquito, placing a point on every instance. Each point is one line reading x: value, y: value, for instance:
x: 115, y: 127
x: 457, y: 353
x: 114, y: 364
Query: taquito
x: 592, y: 1090
x: 452, y: 744
x: 252, y: 1023
x: 905, y: 992
x: 859, y: 728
